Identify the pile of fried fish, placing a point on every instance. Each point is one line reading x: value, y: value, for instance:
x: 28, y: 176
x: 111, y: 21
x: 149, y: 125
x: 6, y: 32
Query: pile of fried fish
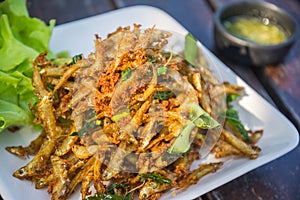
x: 129, y: 120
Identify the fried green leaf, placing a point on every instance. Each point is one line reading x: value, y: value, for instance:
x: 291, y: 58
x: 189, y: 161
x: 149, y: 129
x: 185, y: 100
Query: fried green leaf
x: 110, y: 197
x: 156, y: 177
x: 111, y: 194
x: 163, y: 95
x: 125, y: 74
x: 198, y: 117
x: 233, y: 119
x: 162, y: 70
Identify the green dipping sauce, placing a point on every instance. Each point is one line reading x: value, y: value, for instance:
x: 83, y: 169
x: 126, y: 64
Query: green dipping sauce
x: 256, y: 30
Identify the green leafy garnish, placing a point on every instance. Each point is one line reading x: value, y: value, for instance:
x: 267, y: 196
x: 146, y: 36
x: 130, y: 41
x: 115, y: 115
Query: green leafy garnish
x: 110, y: 197
x: 198, y: 117
x: 162, y: 70
x: 233, y: 119
x: 156, y: 177
x: 167, y: 53
x: 182, y: 142
x: 232, y: 97
x: 163, y: 95
x: 206, y: 122
x: 75, y: 133
x: 86, y: 126
x: 126, y: 74
x: 117, y: 117
x: 232, y: 116
x: 201, y: 118
x: 151, y: 59
x: 190, y: 49
x: 76, y: 58
x: 111, y: 189
x: 110, y: 193
x: 22, y: 39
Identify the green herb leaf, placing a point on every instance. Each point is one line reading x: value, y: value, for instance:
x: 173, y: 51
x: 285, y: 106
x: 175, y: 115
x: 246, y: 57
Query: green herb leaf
x: 201, y: 118
x: 86, y: 126
x: 156, y: 177
x: 232, y: 97
x: 110, y: 189
x: 76, y: 58
x: 182, y: 143
x: 74, y: 134
x: 163, y: 95
x: 206, y: 122
x: 110, y: 193
x: 198, y: 117
x: 110, y: 197
x: 190, y: 49
x: 117, y: 117
x: 151, y: 59
x: 162, y: 70
x: 233, y: 119
x: 100, y: 197
x: 126, y: 74
x: 167, y: 53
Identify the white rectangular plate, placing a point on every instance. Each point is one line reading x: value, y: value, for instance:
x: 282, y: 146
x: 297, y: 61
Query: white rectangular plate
x: 280, y: 136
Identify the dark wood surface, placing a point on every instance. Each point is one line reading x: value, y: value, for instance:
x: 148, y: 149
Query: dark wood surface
x: 279, y: 84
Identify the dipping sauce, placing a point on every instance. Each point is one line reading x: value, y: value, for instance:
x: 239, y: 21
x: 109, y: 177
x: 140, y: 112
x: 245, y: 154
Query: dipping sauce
x: 256, y: 30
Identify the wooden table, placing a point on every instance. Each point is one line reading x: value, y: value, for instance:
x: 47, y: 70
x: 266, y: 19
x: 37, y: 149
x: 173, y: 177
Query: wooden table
x: 279, y: 84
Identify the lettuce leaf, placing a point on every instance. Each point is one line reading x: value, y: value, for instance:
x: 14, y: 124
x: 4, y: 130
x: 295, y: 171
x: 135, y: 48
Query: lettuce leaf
x: 22, y: 38
x: 12, y: 51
